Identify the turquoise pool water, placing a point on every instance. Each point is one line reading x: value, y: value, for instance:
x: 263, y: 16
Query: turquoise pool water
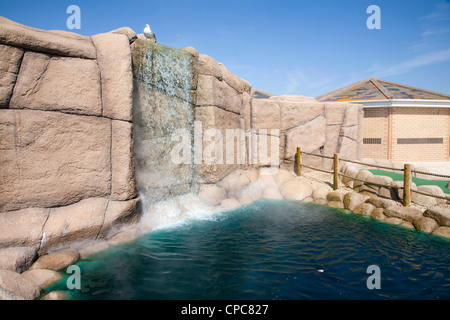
x: 271, y: 249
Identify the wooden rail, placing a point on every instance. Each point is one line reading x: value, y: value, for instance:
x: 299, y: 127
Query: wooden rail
x: 407, y: 177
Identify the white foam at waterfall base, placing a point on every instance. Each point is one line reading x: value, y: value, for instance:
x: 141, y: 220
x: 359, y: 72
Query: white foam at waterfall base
x: 174, y: 212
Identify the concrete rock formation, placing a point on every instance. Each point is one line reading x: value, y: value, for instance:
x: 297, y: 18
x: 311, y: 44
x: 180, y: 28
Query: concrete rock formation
x: 66, y: 136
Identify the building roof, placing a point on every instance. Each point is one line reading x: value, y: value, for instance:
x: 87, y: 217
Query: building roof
x: 377, y: 89
x: 259, y: 94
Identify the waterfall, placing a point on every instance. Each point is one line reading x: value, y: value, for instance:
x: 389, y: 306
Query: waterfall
x: 165, y: 84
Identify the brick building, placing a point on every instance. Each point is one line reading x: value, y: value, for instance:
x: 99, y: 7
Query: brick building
x: 401, y: 123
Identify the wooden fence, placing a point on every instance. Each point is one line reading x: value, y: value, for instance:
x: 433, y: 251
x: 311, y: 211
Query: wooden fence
x: 407, y: 175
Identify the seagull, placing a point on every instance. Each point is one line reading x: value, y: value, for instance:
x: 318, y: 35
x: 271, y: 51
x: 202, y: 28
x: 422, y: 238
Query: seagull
x: 148, y: 33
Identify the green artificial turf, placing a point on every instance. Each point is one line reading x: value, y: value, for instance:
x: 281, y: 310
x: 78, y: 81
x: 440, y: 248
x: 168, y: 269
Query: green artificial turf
x: 419, y: 182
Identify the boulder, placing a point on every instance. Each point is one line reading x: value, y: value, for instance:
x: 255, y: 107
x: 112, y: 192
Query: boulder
x: 379, y: 180
x: 368, y: 190
x: 114, y: 62
x: 15, y: 286
x: 94, y: 248
x: 321, y: 192
x: 252, y: 174
x: 230, y: 203
x: 245, y: 199
x: 125, y: 236
x: 55, y: 295
x: 212, y: 194
x: 58, y: 42
x: 362, y: 175
x: 425, y: 224
x: 388, y: 193
x: 52, y: 159
x: 398, y: 187
x: 393, y: 220
x: 431, y: 189
x: 382, y: 203
x: 81, y: 90
x: 365, y: 209
x: 266, y: 181
x: 336, y: 204
x: 57, y: 260
x: 131, y: 35
x: 407, y: 224
x: 13, y: 232
x: 120, y: 212
x: 10, y: 58
x: 235, y: 181
x: 272, y: 192
x: 42, y: 277
x: 404, y: 213
x: 423, y: 200
x: 282, y: 176
x: 352, y: 173
x: 335, y: 196
x: 82, y: 220
x: 296, y: 189
x: 442, y: 231
x: 352, y: 200
x: 321, y: 202
x: 17, y: 259
x: 252, y: 191
x: 378, y: 213
x: 441, y: 215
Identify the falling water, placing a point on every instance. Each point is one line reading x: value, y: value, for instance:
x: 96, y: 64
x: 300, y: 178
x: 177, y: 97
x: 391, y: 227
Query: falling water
x: 165, y: 84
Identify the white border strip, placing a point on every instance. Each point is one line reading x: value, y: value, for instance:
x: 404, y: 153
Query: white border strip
x: 405, y: 103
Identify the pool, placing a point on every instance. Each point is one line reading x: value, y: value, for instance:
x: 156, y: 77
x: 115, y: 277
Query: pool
x: 270, y: 249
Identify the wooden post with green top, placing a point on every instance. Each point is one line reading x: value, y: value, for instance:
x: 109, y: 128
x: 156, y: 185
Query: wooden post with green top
x: 336, y: 172
x: 407, y: 185
x: 299, y: 164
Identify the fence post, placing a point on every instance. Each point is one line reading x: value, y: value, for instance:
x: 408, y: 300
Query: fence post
x: 407, y: 185
x: 336, y: 172
x: 299, y: 164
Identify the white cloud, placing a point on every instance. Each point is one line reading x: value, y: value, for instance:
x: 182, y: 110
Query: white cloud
x: 416, y: 62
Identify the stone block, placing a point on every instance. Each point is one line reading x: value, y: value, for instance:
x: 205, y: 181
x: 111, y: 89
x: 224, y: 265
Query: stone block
x: 296, y: 113
x: 15, y: 233
x: 52, y: 159
x: 309, y: 137
x: 114, y: 62
x: 123, y: 185
x: 265, y: 114
x: 10, y: 59
x: 69, y: 85
x: 56, y: 42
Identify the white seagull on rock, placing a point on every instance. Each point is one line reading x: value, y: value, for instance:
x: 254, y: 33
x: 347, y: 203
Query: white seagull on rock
x: 148, y: 33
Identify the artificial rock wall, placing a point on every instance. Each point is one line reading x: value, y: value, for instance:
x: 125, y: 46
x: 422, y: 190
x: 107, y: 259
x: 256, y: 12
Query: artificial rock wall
x: 87, y: 121
x: 66, y: 160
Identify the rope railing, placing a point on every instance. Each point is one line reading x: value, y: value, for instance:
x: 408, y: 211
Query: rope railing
x: 372, y: 165
x: 431, y: 174
x: 407, y: 177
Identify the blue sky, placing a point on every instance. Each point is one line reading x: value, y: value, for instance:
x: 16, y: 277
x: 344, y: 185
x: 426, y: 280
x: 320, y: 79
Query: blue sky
x: 284, y: 47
